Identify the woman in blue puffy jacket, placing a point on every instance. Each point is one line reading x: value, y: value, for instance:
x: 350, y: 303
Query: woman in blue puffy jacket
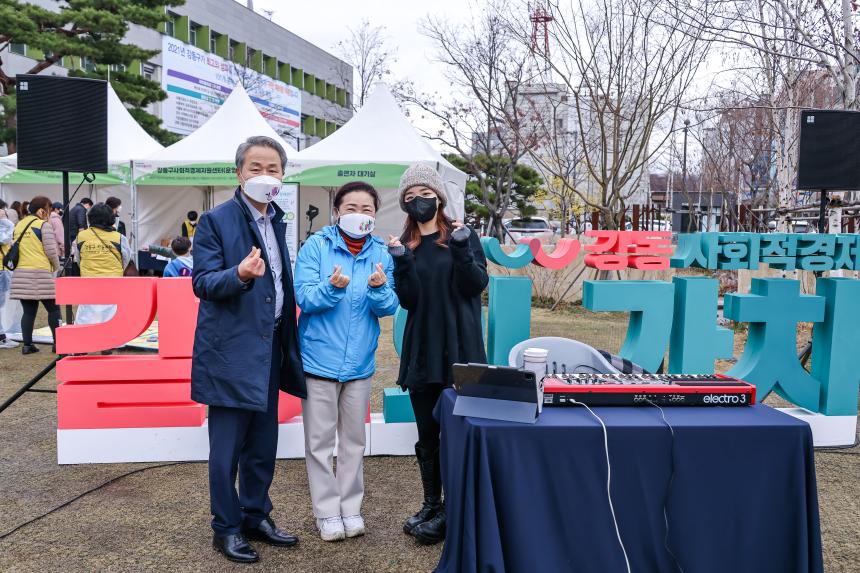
x: 344, y: 284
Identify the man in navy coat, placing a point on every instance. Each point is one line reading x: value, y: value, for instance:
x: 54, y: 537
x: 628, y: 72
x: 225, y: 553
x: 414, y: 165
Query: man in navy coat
x: 245, y: 348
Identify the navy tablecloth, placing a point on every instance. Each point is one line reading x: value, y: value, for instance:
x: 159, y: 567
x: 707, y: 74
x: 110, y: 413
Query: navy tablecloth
x: 533, y: 499
x: 146, y: 261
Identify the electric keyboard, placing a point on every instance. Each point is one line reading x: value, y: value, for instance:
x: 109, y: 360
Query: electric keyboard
x: 646, y: 389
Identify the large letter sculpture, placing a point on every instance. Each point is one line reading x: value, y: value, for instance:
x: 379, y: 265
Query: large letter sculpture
x: 650, y: 307
x: 696, y: 342
x: 773, y: 308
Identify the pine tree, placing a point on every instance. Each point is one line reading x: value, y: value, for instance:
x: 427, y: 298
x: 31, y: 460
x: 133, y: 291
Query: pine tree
x: 490, y: 197
x: 90, y: 29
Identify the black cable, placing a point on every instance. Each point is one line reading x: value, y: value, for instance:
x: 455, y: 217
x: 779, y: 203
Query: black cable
x: 669, y: 485
x: 89, y: 491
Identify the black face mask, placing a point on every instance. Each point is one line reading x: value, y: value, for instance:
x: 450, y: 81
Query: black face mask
x: 422, y: 209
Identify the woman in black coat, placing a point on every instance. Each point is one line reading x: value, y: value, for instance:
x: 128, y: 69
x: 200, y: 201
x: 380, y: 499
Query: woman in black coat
x: 439, y: 274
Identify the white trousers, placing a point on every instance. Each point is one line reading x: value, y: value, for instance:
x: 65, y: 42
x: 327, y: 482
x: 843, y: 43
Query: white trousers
x: 335, y: 409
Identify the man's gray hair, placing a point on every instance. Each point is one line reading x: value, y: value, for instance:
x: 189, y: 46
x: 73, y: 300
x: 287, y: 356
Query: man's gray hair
x: 260, y: 141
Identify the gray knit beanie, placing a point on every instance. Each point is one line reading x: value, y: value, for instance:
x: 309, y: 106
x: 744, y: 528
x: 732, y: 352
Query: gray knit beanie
x: 426, y: 176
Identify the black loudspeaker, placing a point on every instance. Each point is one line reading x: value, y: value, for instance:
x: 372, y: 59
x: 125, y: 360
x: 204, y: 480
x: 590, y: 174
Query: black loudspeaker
x: 829, y: 155
x: 62, y: 123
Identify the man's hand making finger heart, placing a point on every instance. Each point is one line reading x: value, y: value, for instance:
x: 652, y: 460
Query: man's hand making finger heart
x: 338, y: 279
x: 252, y: 267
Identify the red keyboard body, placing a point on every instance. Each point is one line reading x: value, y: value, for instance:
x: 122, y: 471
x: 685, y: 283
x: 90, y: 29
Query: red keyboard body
x: 647, y: 390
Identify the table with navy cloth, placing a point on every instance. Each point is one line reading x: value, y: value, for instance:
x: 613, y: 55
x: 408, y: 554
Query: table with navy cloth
x: 532, y: 498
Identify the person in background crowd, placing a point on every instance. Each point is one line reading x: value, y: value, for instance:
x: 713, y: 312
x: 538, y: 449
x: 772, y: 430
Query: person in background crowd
x: 7, y: 228
x: 11, y: 211
x: 56, y: 221
x: 25, y: 210
x: 116, y: 205
x: 78, y: 218
x: 189, y: 225
x: 100, y: 251
x: 439, y: 274
x: 33, y: 278
x: 246, y: 347
x: 343, y: 286
x: 182, y: 265
x: 11, y: 214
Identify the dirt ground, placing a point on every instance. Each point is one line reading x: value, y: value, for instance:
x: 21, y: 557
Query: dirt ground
x: 157, y: 519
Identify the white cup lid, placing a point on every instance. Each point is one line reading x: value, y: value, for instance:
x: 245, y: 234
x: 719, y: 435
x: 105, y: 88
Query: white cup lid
x: 539, y: 353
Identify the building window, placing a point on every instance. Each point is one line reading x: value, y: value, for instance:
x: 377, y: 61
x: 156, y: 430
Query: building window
x: 18, y: 48
x: 88, y: 64
x: 193, y: 31
x: 148, y: 71
x: 231, y: 53
x: 170, y: 28
x: 213, y: 42
x: 117, y: 68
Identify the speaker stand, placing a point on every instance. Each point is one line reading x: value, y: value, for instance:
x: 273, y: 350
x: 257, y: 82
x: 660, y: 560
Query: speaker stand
x: 67, y: 238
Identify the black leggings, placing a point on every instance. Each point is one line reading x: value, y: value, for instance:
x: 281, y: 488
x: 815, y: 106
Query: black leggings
x: 31, y: 307
x: 423, y: 403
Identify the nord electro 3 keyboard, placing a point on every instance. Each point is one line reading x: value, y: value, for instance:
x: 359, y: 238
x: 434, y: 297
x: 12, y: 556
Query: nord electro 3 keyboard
x: 646, y: 389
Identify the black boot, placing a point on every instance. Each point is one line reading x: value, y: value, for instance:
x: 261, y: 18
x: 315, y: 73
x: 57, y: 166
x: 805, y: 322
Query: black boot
x: 431, y: 480
x: 433, y: 531
x: 29, y: 349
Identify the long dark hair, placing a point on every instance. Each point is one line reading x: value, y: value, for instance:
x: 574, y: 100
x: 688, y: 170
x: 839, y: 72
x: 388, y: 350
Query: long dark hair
x: 411, y: 236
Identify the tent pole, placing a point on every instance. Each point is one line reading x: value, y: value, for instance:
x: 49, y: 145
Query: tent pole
x: 135, y: 216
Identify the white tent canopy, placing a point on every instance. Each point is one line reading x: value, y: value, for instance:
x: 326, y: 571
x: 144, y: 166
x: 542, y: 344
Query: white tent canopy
x: 126, y: 139
x: 381, y: 138
x: 216, y: 140
x: 197, y: 171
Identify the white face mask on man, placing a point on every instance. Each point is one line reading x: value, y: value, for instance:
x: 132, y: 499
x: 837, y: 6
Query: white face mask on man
x: 262, y: 188
x: 356, y: 225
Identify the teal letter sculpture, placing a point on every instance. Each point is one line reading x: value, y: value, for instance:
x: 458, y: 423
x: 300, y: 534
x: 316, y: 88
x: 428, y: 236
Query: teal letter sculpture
x: 773, y: 309
x: 650, y: 306
x: 696, y: 342
x: 510, y: 311
x: 517, y: 259
x: 835, y: 343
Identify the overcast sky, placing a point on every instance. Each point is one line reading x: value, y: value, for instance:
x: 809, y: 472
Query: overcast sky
x: 326, y: 22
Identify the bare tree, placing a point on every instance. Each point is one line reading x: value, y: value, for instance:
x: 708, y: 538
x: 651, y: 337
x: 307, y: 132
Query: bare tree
x: 368, y: 51
x: 792, y: 55
x: 485, y: 68
x: 626, y: 68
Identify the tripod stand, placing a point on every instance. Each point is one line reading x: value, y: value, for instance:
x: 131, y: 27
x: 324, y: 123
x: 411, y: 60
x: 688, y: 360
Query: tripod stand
x: 29, y: 385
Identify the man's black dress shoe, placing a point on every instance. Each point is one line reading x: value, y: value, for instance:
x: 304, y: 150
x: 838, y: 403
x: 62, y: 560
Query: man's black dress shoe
x: 268, y: 532
x: 235, y: 548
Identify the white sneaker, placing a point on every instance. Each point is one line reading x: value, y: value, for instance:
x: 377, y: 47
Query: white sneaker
x: 8, y: 344
x: 353, y: 525
x: 331, y: 528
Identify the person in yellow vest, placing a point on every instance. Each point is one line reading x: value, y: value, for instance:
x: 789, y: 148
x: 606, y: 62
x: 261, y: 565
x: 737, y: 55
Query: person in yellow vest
x: 189, y: 225
x: 33, y: 278
x: 101, y: 252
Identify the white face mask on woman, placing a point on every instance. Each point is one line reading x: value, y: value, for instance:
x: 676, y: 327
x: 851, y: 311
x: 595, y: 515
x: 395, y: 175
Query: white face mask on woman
x: 356, y: 225
x: 262, y: 188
